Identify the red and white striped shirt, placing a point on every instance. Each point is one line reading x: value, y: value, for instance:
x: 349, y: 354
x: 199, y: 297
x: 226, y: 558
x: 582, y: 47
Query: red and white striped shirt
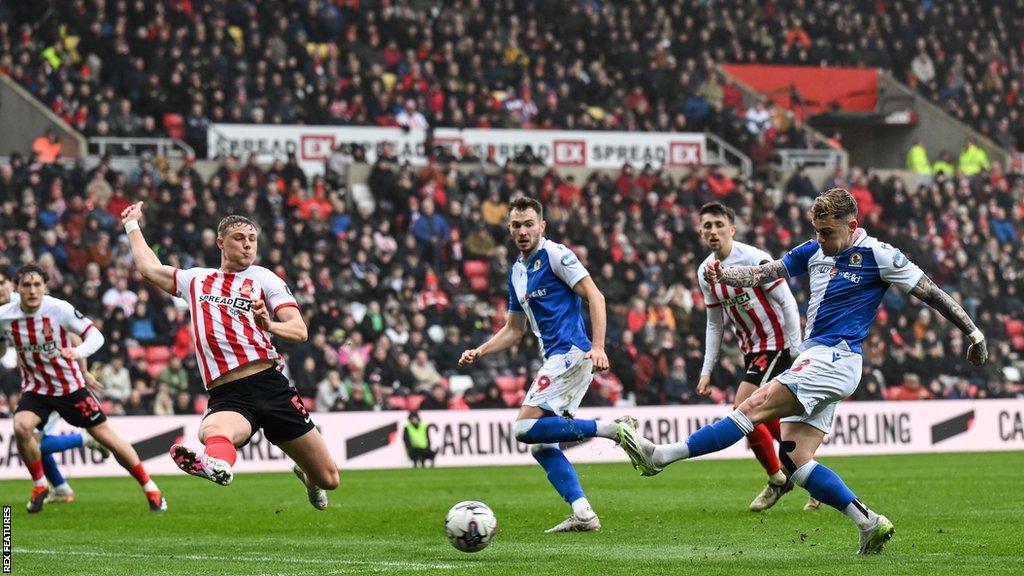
x: 757, y: 321
x: 38, y: 338
x: 223, y: 329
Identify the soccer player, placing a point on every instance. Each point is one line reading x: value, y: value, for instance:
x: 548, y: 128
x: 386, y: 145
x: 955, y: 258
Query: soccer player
x: 235, y: 309
x: 38, y: 326
x: 766, y: 322
x: 849, y: 273
x: 61, y: 491
x: 545, y: 289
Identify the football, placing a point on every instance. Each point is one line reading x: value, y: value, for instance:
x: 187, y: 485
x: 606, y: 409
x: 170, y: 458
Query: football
x: 470, y: 526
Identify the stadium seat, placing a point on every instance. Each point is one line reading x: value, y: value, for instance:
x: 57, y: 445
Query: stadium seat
x: 510, y: 383
x: 136, y: 352
x: 199, y: 404
x: 175, y: 125
x: 154, y: 368
x: 397, y: 403
x: 477, y: 272
x: 1015, y: 333
x: 413, y: 401
x: 158, y: 354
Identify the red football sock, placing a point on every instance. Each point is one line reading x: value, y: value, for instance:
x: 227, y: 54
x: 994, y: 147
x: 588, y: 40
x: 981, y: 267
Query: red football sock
x: 222, y: 448
x: 35, y: 469
x: 140, y: 474
x: 775, y: 429
x: 761, y: 443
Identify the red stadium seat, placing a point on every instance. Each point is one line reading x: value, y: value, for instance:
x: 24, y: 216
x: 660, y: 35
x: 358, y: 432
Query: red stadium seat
x: 397, y: 403
x: 175, y: 125
x: 413, y: 402
x: 510, y: 383
x: 157, y: 354
x: 154, y: 368
x: 136, y: 352
x: 199, y: 404
x: 477, y: 272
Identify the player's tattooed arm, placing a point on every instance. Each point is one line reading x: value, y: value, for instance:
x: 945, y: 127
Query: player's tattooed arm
x: 745, y: 276
x: 943, y: 303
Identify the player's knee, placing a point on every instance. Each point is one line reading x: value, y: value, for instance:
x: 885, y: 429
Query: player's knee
x: 521, y: 428
x: 328, y: 479
x: 23, y: 430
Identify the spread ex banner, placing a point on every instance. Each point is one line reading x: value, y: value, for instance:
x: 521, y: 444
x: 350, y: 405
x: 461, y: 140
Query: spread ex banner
x: 364, y: 440
x: 312, y: 145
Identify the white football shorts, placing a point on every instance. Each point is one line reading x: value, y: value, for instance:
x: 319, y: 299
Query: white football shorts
x: 561, y: 383
x: 820, y: 377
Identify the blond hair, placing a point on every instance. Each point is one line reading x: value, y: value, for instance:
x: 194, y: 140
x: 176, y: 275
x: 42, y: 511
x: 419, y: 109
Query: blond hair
x: 234, y: 220
x: 835, y: 203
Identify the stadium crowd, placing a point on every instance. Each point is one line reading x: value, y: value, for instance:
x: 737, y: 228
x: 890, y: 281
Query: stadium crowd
x: 150, y: 68
x: 393, y: 294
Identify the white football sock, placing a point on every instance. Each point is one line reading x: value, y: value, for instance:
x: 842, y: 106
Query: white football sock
x: 608, y: 429
x: 861, y: 515
x: 665, y: 454
x: 778, y: 479
x: 63, y: 489
x: 581, y: 508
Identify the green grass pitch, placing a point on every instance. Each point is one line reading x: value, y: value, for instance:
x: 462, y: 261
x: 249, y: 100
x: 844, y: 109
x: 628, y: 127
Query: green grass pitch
x: 954, y: 514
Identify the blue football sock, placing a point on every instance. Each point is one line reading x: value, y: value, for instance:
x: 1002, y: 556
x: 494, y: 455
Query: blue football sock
x: 561, y: 474
x: 51, y: 470
x: 558, y: 429
x: 715, y: 437
x: 59, y: 443
x: 826, y: 486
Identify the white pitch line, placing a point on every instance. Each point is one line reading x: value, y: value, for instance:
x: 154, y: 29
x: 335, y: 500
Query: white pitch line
x: 203, y: 557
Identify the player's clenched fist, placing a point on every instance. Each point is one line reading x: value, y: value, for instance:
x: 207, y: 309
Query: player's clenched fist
x: 977, y: 354
x: 261, y: 315
x: 713, y: 272
x: 132, y: 212
x: 469, y: 356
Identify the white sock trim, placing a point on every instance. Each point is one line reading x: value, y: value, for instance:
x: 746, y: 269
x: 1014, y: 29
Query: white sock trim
x: 800, y: 476
x: 607, y: 429
x: 521, y: 427
x: 741, y: 420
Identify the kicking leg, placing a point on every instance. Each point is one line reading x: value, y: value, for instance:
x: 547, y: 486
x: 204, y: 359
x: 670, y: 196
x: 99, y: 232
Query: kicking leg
x: 220, y: 432
x: 767, y: 403
x: 314, y: 466
x: 800, y: 441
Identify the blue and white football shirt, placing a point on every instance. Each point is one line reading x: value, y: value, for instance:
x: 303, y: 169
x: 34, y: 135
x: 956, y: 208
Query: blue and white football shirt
x: 847, y: 289
x: 541, y: 286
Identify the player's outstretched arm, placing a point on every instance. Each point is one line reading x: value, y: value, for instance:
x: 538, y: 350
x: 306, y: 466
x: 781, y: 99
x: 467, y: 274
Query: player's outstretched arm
x: 510, y: 333
x: 744, y: 276
x: 145, y: 259
x: 598, y: 321
x: 932, y: 295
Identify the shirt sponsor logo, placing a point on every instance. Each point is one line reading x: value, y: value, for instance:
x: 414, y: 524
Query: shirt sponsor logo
x: 855, y: 278
x: 241, y: 304
x: 537, y: 293
x: 899, y: 260
x: 738, y: 300
x: 568, y: 259
x: 33, y: 348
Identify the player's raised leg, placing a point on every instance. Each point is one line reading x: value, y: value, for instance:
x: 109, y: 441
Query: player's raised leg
x: 800, y: 441
x: 314, y: 466
x: 128, y: 458
x: 25, y: 423
x: 767, y: 403
x: 220, y: 433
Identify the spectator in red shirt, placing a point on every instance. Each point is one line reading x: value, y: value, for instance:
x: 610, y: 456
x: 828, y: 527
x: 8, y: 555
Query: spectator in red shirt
x: 910, y: 389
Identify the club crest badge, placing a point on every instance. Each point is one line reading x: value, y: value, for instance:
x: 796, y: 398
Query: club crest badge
x: 856, y: 260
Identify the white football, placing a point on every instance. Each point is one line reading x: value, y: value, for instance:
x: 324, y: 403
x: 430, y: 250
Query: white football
x: 470, y: 526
